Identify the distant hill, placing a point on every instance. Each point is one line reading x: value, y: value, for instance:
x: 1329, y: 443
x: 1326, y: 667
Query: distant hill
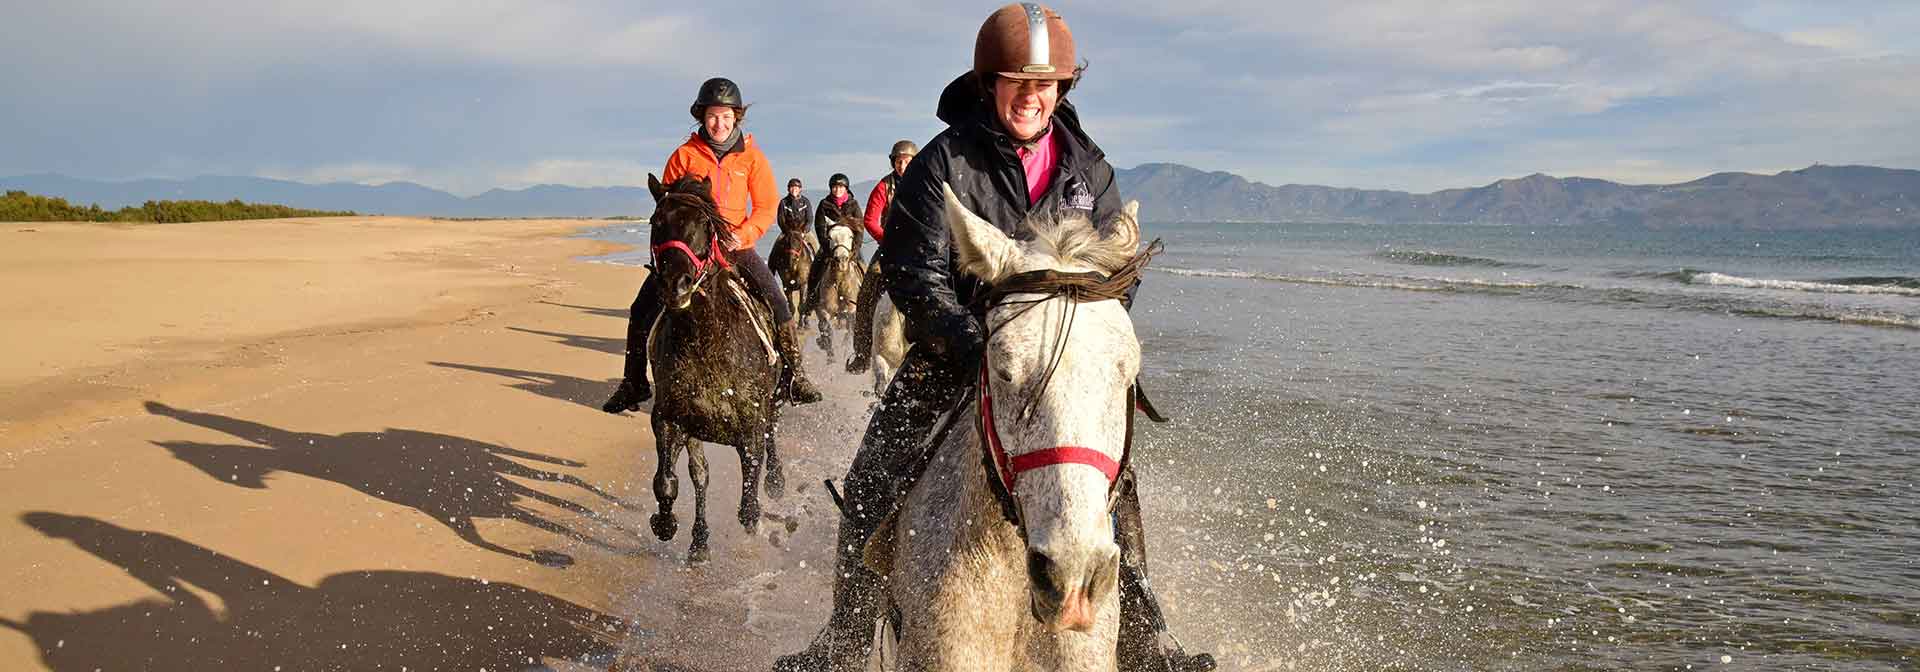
x: 392, y: 198
x: 1817, y: 197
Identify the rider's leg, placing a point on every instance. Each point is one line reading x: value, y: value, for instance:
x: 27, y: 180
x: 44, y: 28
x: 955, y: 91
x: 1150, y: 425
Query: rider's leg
x: 640, y: 318
x: 1142, y: 625
x: 870, y: 289
x: 890, y: 457
x: 760, y: 279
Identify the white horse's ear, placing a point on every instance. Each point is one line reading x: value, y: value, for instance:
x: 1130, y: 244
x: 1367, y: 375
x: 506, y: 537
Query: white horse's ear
x: 985, y: 252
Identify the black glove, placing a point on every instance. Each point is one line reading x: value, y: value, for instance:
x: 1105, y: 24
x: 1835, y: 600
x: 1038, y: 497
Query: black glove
x: 957, y: 340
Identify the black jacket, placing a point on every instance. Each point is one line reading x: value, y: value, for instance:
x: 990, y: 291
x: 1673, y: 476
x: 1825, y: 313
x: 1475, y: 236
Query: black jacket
x: 828, y: 213
x: 978, y: 159
x: 794, y: 213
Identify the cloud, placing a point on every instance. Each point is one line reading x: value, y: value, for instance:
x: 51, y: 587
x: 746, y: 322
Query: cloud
x: 1391, y: 93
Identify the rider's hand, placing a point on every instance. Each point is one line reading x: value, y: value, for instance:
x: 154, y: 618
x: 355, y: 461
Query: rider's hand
x: 958, y: 340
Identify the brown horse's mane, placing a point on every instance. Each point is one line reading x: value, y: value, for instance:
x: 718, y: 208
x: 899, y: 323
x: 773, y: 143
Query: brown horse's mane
x: 703, y: 207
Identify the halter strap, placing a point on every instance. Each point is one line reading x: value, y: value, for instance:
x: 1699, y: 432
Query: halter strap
x: 714, y: 255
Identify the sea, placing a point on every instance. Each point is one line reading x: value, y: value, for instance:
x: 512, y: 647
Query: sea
x: 1457, y: 447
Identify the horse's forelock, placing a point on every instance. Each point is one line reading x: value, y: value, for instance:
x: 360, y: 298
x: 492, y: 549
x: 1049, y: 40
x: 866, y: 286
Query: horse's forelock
x: 701, y: 213
x: 1073, y: 240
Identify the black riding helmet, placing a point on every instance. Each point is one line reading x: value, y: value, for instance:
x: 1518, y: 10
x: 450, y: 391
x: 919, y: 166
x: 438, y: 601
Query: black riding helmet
x: 839, y: 180
x: 794, y: 182
x: 717, y: 91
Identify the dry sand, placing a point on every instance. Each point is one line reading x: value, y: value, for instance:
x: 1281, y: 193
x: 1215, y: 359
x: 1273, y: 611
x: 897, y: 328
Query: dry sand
x: 363, y: 443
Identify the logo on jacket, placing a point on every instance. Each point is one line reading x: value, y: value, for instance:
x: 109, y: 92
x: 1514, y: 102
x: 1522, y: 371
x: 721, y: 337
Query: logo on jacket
x: 1077, y: 196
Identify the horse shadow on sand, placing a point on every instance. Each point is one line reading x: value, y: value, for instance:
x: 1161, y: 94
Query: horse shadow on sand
x: 559, y: 386
x: 611, y: 346
x: 622, y: 313
x: 211, y: 611
x: 453, y: 480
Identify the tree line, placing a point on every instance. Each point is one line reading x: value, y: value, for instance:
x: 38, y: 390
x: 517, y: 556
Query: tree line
x: 20, y: 206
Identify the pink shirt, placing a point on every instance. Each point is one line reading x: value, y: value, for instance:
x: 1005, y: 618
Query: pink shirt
x: 1039, y: 164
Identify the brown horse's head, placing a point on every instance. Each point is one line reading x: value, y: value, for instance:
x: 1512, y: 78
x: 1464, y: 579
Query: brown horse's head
x: 689, y: 237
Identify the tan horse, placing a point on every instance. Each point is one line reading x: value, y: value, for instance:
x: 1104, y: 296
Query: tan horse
x: 1014, y: 567
x: 839, y: 291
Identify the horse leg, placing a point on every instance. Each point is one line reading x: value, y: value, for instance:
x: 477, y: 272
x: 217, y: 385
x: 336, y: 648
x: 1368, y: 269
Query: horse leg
x: 826, y: 325
x: 699, y: 553
x: 667, y: 441
x: 776, y: 476
x: 750, y: 467
x: 882, y: 374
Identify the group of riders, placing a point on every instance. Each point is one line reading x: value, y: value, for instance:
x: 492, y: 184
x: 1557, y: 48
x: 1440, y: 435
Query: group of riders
x: 1013, y: 146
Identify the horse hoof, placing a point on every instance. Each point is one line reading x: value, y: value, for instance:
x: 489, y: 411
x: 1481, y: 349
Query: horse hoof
x: 699, y: 555
x: 776, y: 485
x: 750, y: 519
x: 554, y: 559
x: 664, y: 525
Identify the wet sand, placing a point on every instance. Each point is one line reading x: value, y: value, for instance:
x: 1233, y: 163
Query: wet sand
x: 363, y: 443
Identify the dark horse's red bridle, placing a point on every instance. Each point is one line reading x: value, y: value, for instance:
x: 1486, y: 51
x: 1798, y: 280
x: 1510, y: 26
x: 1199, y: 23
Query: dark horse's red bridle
x: 1048, y: 285
x: 715, y: 257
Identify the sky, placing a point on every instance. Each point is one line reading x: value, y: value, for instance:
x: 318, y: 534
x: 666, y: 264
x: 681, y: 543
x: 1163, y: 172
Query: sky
x: 468, y: 95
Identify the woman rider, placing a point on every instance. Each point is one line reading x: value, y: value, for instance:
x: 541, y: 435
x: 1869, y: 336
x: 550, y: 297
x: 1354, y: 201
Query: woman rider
x: 837, y: 206
x: 1012, y: 146
x: 900, y: 156
x: 742, y: 180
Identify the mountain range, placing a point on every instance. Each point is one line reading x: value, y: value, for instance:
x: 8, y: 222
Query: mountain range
x: 1817, y: 197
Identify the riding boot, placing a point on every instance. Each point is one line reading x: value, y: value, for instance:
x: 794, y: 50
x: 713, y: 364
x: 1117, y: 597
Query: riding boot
x: 640, y: 318
x: 890, y: 458
x: 863, y: 321
x: 792, y: 372
x: 1142, y: 624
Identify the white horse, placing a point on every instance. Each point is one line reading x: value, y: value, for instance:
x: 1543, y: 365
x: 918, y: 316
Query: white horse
x: 840, y: 289
x: 971, y: 589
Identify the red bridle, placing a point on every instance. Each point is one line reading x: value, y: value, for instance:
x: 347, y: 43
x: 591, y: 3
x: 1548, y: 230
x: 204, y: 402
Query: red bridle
x: 1009, y: 468
x: 714, y: 256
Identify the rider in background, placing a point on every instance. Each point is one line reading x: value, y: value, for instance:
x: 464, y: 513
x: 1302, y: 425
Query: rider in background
x: 900, y: 156
x: 795, y: 209
x: 839, y: 205
x: 742, y: 181
x: 1013, y: 146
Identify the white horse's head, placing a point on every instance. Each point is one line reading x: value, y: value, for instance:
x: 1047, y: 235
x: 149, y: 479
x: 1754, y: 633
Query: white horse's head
x: 842, y: 238
x: 1059, y: 380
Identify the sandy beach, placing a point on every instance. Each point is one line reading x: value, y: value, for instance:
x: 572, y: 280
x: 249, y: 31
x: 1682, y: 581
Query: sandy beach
x: 361, y: 443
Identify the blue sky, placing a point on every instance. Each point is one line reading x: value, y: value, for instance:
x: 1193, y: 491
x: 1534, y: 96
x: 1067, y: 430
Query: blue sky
x: 467, y: 95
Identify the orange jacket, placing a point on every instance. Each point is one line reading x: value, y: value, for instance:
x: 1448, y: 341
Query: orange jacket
x: 742, y: 178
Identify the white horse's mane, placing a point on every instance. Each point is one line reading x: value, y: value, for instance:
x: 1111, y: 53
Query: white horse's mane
x: 1073, y: 240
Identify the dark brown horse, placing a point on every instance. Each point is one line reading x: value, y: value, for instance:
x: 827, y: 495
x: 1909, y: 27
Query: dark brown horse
x: 792, y: 260
x: 715, y: 370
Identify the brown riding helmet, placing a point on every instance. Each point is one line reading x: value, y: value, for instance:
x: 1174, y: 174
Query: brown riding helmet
x: 1025, y: 40
x: 903, y: 148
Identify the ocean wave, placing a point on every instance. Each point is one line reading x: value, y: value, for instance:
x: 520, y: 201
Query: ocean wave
x: 1894, y: 285
x: 1413, y: 284
x: 1614, y: 296
x: 1425, y: 258
x: 1800, y: 285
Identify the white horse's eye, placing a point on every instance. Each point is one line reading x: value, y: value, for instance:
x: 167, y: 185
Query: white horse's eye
x: 1005, y: 375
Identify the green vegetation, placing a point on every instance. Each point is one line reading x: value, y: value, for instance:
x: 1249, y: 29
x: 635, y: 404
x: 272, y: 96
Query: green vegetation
x: 20, y: 206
